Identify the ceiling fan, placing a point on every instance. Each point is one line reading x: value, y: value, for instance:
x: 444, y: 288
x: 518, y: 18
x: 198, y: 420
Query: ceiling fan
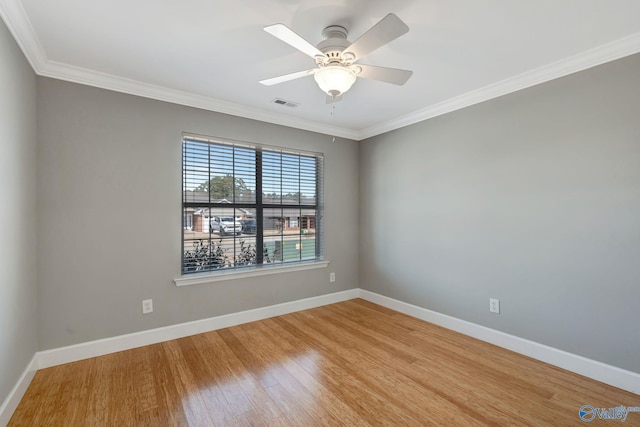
x: 336, y: 57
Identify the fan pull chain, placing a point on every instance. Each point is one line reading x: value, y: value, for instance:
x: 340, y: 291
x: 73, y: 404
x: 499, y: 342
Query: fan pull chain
x: 333, y: 119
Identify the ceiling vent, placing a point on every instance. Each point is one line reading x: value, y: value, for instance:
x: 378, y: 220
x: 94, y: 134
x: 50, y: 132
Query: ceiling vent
x: 286, y: 103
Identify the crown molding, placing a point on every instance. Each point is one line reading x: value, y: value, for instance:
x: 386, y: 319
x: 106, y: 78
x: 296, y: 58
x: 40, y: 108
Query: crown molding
x: 15, y: 17
x: 608, y: 52
x: 20, y: 27
x: 58, y: 70
x: 18, y: 23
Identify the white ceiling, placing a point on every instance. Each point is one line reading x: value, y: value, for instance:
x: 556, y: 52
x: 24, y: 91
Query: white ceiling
x: 211, y: 54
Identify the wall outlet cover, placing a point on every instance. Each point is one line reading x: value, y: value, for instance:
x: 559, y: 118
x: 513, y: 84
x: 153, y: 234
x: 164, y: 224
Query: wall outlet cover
x: 494, y: 305
x: 147, y: 306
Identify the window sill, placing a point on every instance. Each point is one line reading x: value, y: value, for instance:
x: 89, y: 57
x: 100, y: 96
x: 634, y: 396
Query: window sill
x: 210, y: 277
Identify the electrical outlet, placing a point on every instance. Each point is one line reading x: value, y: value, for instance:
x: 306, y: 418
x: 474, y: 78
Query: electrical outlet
x: 147, y: 306
x: 494, y: 305
x: 332, y: 277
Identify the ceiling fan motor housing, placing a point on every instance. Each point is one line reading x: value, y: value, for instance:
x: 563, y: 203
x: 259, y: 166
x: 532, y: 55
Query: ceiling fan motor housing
x: 333, y: 44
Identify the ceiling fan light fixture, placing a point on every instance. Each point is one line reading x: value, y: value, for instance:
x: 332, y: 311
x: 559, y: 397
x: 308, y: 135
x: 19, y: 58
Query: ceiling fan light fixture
x: 334, y: 80
x: 336, y: 57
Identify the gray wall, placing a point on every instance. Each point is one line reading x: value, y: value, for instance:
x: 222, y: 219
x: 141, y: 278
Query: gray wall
x: 532, y: 198
x: 18, y: 327
x: 109, y: 216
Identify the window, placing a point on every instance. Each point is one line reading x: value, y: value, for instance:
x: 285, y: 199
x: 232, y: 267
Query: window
x: 246, y: 205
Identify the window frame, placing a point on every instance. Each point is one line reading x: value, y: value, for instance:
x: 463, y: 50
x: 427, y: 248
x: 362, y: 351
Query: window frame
x: 259, y: 205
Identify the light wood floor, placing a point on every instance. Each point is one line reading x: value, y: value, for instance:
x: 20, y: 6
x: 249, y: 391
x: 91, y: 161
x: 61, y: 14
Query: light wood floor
x: 352, y: 363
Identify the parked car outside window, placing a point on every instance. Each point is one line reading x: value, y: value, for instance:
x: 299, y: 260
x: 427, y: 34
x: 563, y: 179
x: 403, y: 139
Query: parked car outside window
x: 249, y: 226
x: 225, y: 225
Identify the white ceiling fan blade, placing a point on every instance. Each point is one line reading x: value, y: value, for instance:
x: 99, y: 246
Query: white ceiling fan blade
x: 290, y: 37
x: 389, y: 28
x: 384, y: 74
x: 287, y: 77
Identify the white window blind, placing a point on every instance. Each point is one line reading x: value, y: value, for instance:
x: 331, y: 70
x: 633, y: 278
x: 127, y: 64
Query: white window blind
x: 246, y: 205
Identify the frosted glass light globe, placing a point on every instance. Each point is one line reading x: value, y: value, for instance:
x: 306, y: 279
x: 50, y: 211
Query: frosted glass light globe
x: 334, y: 80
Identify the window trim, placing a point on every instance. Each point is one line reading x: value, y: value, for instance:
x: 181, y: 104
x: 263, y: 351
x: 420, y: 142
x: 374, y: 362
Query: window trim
x: 245, y: 272
x: 239, y: 272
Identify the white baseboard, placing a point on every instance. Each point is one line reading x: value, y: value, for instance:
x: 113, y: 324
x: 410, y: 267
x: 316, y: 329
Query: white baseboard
x: 15, y: 395
x: 617, y: 377
x: 104, y: 346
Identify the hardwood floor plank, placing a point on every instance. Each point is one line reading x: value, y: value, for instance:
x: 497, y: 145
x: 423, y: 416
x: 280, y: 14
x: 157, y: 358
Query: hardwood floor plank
x: 48, y: 396
x: 477, y: 375
x: 388, y: 393
x: 251, y: 383
x: 310, y: 395
x: 348, y: 364
x: 167, y: 398
x: 193, y: 404
x: 227, y: 375
x: 307, y: 368
x: 359, y: 382
x: 289, y: 405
